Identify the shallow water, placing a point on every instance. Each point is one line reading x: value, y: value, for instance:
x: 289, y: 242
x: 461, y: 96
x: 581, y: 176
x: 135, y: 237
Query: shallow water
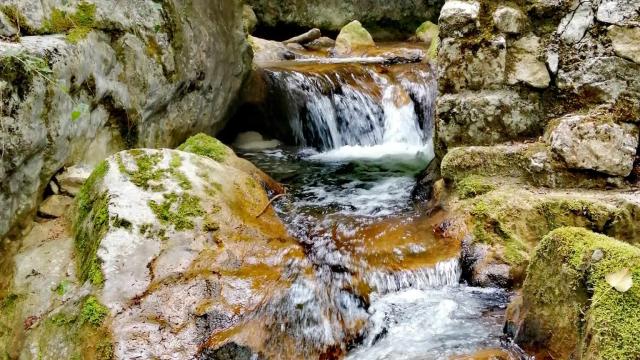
x: 364, y: 133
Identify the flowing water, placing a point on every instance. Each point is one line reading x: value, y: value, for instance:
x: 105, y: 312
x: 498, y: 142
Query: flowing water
x: 382, y: 268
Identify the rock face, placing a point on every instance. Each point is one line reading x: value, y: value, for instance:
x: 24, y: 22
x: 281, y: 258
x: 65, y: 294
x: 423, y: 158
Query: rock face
x: 352, y: 37
x: 171, y: 247
x: 400, y: 17
x: 104, y: 77
x: 561, y: 59
x: 569, y: 308
x: 585, y: 142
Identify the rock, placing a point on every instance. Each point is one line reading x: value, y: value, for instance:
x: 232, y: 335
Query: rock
x: 7, y: 28
x: 590, y: 142
x: 618, y: 12
x: 458, y: 18
x: 309, y: 36
x: 599, y: 79
x: 626, y: 42
x: 72, y: 179
x: 150, y: 86
x: 427, y: 32
x: 509, y: 20
x: 480, y: 266
x: 528, y: 68
x: 249, y: 19
x: 147, y: 218
x: 400, y: 18
x: 486, y: 117
x: 254, y: 141
x: 574, y: 25
x: 352, y: 37
x: 322, y: 43
x: 472, y: 68
x: 267, y: 50
x: 295, y: 47
x: 53, y: 186
x: 553, y: 60
x: 567, y: 303
x: 55, y: 206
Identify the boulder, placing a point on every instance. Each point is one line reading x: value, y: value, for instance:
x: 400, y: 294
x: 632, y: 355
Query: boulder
x: 7, y: 27
x: 268, y: 50
x: 486, y: 117
x: 509, y: 20
x: 592, y: 143
x: 72, y: 178
x: 55, y: 206
x: 352, y: 37
x: 321, y: 43
x: 626, y: 42
x: 458, y: 18
x: 150, y: 86
x: 528, y: 68
x: 570, y: 308
x: 427, y: 32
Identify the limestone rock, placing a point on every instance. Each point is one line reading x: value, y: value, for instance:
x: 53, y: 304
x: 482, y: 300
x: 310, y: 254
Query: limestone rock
x: 148, y: 87
x: 352, y: 37
x: 458, y: 18
x: 626, y: 42
x: 55, y: 206
x: 72, y: 178
x: 509, y: 20
x: 528, y: 68
x: 427, y: 32
x: 585, y: 142
x: 486, y: 117
x: 249, y: 19
x: 618, y: 12
x: 268, y: 50
x: 575, y: 24
x: 322, y: 43
x: 566, y: 302
x: 147, y: 218
x: 472, y: 68
x: 7, y: 28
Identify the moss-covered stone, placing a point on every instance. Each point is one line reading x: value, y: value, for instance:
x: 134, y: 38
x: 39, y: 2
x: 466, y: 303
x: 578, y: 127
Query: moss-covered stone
x: 472, y: 186
x: 569, y: 309
x: 90, y: 224
x: 93, y: 312
x: 177, y: 210
x: 77, y: 25
x: 205, y: 145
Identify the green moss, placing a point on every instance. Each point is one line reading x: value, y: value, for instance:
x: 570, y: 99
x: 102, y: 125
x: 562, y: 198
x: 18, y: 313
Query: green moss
x: 93, y: 312
x: 205, y: 145
x: 174, y: 168
x: 567, y: 296
x: 121, y: 222
x: 147, y: 174
x: 90, y: 224
x: 77, y: 25
x: 62, y: 287
x: 472, y: 186
x: 16, y: 18
x: 177, y: 210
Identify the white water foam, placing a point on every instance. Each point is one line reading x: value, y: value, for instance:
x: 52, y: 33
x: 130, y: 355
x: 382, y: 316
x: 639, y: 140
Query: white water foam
x: 444, y: 273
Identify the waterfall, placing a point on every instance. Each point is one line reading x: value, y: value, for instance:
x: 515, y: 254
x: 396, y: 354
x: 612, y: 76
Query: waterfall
x: 357, y: 108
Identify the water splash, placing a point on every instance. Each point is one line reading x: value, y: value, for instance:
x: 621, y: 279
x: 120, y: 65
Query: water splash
x: 444, y: 273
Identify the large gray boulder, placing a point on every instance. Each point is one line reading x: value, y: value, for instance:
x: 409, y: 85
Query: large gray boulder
x: 591, y: 142
x: 106, y: 76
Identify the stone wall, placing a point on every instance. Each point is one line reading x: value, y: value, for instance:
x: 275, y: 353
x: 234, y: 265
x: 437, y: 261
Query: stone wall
x: 513, y: 71
x: 81, y: 80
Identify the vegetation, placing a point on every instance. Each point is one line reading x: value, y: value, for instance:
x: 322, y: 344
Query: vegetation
x: 177, y: 210
x: 205, y: 145
x: 77, y: 25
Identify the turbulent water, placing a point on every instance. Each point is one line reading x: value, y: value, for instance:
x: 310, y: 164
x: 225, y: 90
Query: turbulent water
x: 363, y: 133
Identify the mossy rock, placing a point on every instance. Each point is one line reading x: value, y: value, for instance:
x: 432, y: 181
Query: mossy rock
x: 569, y: 309
x: 351, y: 37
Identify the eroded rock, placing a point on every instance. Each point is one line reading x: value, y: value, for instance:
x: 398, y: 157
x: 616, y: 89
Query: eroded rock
x: 626, y: 42
x: 509, y: 19
x: 586, y: 142
x: 55, y: 206
x: 352, y: 37
x: 458, y: 18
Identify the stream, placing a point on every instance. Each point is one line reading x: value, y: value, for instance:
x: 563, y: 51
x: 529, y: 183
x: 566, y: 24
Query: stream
x: 362, y: 134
